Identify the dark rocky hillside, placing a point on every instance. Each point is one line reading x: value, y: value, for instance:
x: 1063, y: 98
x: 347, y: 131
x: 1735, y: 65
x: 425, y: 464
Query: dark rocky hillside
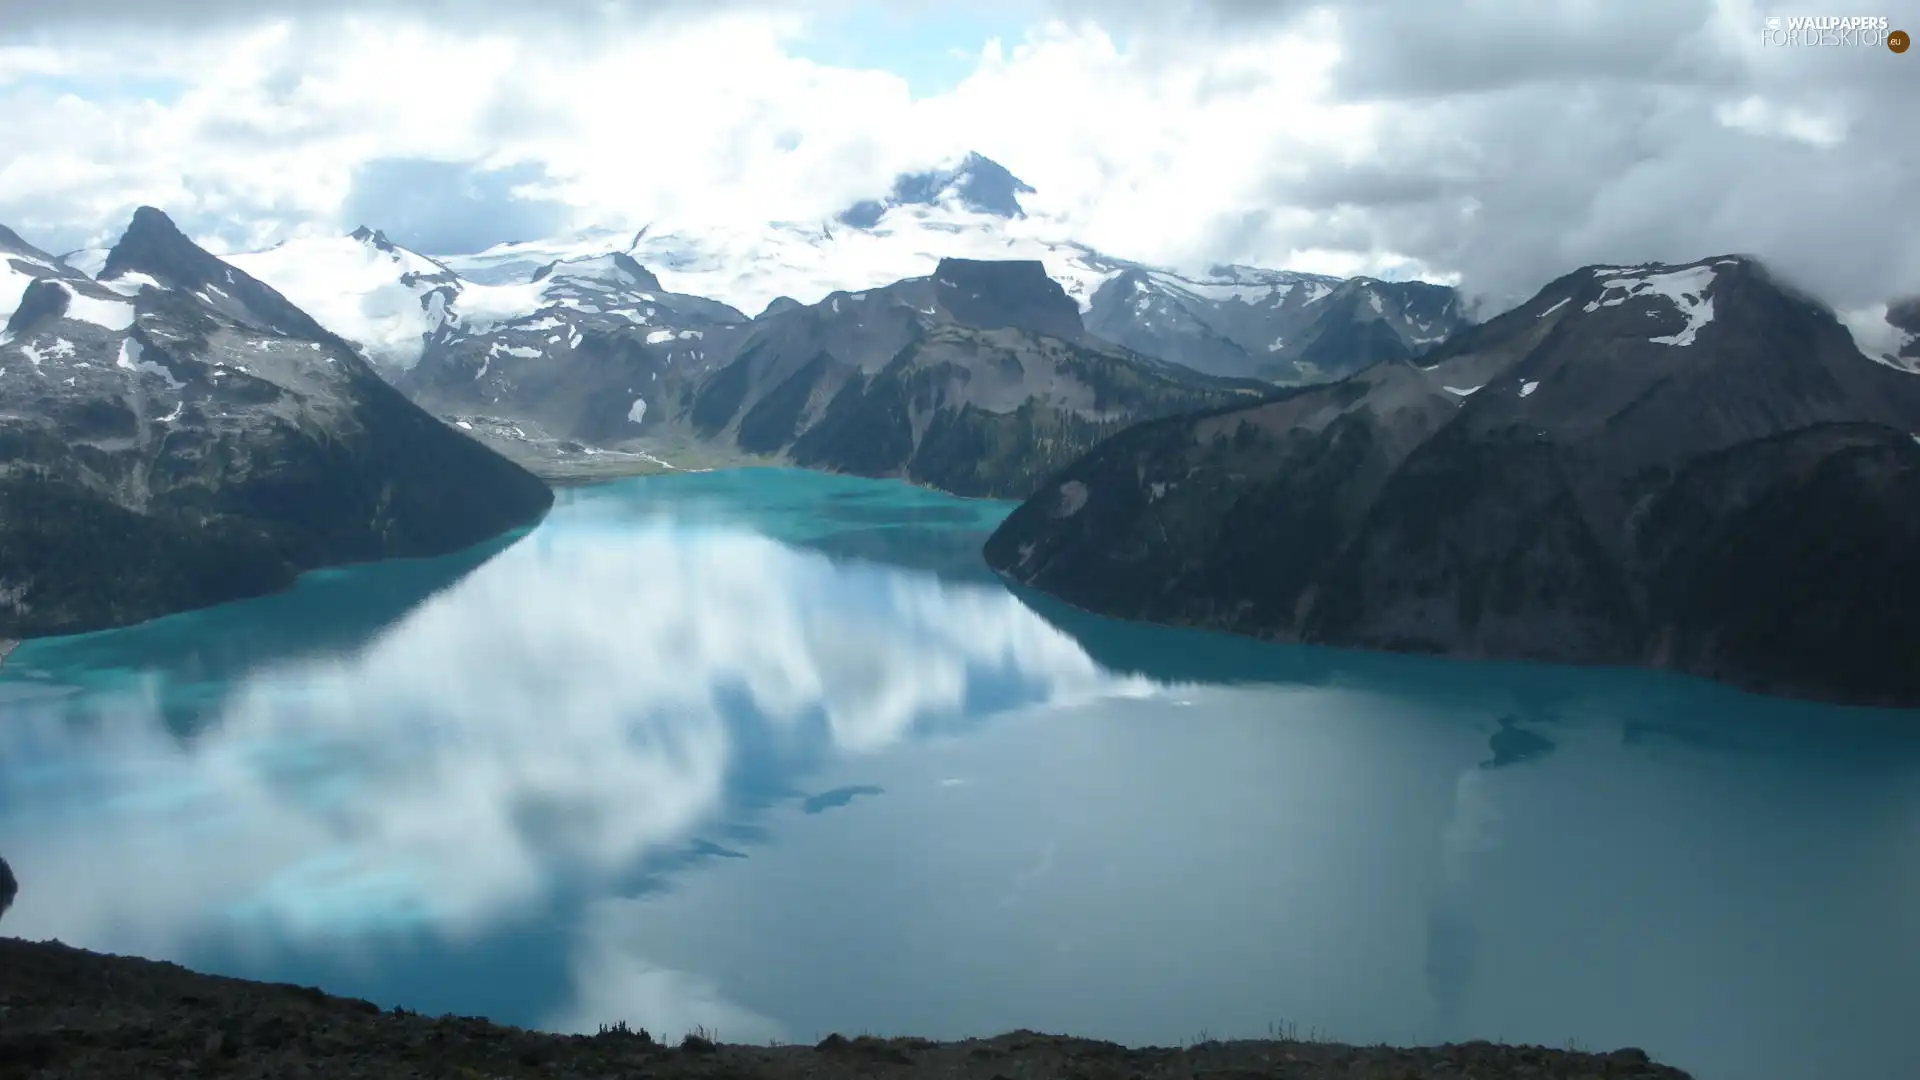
x: 978, y: 380
x: 1688, y: 467
x: 76, y: 1015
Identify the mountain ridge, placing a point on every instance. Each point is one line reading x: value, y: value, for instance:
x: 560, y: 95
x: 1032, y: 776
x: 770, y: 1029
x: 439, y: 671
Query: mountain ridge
x: 1535, y: 488
x: 179, y: 434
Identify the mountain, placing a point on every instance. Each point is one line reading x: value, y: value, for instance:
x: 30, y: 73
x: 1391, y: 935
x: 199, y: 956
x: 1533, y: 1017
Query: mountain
x: 1278, y: 325
x: 382, y: 297
x: 577, y: 366
x: 177, y: 434
x: 1235, y: 321
x: 977, y: 184
x: 516, y: 262
x: 1688, y: 467
x: 978, y: 379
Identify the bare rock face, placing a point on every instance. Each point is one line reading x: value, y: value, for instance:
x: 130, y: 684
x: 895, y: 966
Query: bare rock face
x: 1688, y: 467
x: 9, y: 888
x: 176, y: 434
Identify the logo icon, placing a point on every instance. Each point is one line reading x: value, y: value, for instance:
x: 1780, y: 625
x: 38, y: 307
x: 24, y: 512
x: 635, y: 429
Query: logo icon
x: 1898, y: 41
x: 1773, y: 23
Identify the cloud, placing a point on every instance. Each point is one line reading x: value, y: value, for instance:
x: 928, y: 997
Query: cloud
x: 1501, y: 144
x: 615, y: 983
x: 571, y: 709
x: 451, y: 208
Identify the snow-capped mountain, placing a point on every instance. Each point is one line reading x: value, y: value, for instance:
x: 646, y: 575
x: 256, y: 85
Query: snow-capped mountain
x: 575, y: 317
x: 393, y: 302
x: 976, y: 183
x: 1278, y: 325
x: 516, y: 262
x: 750, y: 265
x: 1680, y: 466
x: 1238, y: 321
x: 180, y: 434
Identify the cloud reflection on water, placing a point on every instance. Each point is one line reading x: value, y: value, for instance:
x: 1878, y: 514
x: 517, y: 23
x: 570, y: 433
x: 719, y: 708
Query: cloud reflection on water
x: 577, y: 704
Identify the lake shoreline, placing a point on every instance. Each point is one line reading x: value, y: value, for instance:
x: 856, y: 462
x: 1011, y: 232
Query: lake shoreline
x: 74, y: 1013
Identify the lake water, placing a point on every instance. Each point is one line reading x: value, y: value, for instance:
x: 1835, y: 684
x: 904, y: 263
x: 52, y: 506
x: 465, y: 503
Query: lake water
x: 769, y: 752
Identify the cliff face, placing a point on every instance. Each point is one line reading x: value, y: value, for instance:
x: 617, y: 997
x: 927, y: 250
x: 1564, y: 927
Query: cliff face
x: 177, y: 434
x: 1675, y: 466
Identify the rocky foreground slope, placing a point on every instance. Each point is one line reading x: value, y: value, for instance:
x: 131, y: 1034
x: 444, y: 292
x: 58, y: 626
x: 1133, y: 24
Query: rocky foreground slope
x: 1685, y: 467
x: 174, y: 434
x: 67, y: 1013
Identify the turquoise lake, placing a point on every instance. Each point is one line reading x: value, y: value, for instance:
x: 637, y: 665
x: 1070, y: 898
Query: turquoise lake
x: 770, y: 752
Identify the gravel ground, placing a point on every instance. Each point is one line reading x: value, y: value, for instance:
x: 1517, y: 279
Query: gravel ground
x: 66, y: 1012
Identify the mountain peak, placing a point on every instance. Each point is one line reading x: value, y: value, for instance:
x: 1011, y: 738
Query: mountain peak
x: 153, y: 245
x: 977, y: 183
x: 1007, y: 292
x: 375, y: 237
x: 615, y: 267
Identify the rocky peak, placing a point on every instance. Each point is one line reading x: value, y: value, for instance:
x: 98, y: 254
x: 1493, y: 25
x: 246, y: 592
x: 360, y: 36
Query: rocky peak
x: 153, y: 245
x: 778, y: 305
x: 977, y: 183
x: 12, y: 244
x: 43, y: 298
x: 37, y: 262
x: 1007, y: 292
x: 372, y: 236
x: 603, y: 267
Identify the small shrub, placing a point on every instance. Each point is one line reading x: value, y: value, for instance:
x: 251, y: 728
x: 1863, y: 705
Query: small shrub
x: 698, y: 1041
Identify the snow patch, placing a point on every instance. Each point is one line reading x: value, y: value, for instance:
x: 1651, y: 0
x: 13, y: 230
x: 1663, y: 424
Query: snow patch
x: 1880, y: 340
x: 1073, y: 496
x: 1686, y: 289
x: 1527, y: 388
x: 1562, y: 302
x: 130, y: 360
x: 114, y: 315
x: 657, y: 337
x: 89, y: 261
x: 462, y: 424
x: 384, y: 301
x: 1461, y: 392
x: 131, y: 282
x: 1373, y: 299
x: 639, y: 410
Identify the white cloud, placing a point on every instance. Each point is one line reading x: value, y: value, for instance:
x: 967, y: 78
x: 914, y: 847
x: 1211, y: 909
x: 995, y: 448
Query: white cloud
x: 1463, y: 137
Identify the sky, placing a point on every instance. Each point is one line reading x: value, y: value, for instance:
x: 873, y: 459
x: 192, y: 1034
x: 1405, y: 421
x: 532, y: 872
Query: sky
x: 1499, y: 144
